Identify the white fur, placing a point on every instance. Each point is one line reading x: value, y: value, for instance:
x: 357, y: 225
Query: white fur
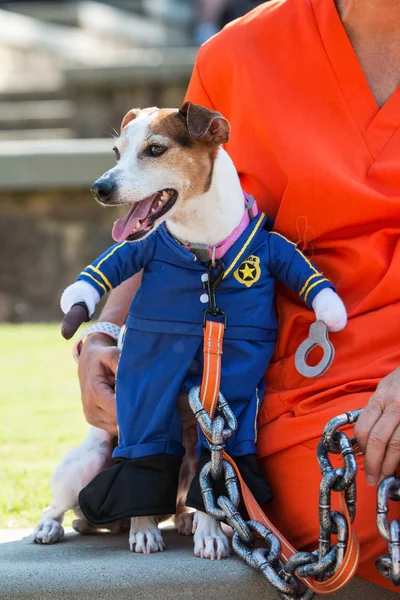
x: 80, y: 291
x: 75, y: 471
x: 207, y: 219
x: 145, y: 536
x: 211, y: 217
x: 329, y: 308
x: 209, y: 539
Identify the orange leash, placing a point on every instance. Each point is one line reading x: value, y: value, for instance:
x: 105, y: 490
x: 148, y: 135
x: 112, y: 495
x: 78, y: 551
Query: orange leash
x: 213, y: 340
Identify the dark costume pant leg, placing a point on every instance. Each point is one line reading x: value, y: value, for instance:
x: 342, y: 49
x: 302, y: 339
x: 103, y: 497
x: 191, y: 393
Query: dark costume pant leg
x: 242, y: 383
x: 144, y: 478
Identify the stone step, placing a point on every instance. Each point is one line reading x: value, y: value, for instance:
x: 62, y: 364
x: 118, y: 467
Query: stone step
x: 32, y: 95
x: 63, y: 13
x: 101, y: 567
x: 36, y: 114
x: 56, y: 133
x: 53, y: 164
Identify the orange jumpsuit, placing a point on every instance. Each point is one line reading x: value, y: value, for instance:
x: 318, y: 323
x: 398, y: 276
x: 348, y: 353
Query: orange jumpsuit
x: 312, y: 146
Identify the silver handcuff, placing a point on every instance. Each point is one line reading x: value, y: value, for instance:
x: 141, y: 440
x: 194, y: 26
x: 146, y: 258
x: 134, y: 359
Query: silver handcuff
x: 318, y: 336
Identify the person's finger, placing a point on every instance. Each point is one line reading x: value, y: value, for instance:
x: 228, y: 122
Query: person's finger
x: 367, y: 420
x: 378, y: 444
x: 97, y: 416
x: 107, y: 425
x: 392, y: 456
x: 110, y: 358
x: 105, y: 397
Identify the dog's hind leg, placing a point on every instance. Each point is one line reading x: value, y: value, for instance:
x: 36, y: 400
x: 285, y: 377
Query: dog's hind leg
x: 183, y: 517
x: 82, y: 525
x: 75, y: 471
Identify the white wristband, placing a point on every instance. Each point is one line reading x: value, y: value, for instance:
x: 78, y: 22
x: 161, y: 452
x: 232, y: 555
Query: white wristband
x: 109, y: 329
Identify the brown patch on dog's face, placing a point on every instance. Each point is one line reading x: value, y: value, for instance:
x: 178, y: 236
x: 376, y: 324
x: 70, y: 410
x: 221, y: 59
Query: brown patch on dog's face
x: 195, y: 164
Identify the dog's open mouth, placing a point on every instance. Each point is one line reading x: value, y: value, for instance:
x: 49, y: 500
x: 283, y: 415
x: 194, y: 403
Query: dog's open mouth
x: 142, y: 216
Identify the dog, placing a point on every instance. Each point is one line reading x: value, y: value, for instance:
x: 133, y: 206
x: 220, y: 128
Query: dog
x: 177, y: 179
x: 80, y: 465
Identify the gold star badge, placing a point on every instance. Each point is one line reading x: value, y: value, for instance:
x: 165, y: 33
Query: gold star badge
x: 249, y: 271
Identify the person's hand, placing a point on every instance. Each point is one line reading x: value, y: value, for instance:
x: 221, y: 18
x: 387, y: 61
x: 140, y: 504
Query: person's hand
x: 97, y: 368
x: 378, y: 430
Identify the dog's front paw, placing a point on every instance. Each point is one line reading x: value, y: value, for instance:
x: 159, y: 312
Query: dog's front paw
x: 145, y: 536
x: 184, y: 522
x: 48, y: 531
x: 209, y: 539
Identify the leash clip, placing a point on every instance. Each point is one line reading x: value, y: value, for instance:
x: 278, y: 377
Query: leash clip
x: 318, y: 336
x: 215, y: 272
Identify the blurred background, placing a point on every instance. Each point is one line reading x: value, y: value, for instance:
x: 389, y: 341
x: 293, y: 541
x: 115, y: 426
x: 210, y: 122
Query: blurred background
x: 69, y: 71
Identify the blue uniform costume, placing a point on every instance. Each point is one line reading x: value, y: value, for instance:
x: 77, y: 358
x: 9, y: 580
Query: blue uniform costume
x: 162, y: 356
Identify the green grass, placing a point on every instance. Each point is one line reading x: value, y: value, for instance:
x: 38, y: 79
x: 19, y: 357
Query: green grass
x: 40, y: 417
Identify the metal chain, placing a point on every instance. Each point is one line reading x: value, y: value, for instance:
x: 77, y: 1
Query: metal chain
x: 389, y: 565
x: 322, y: 563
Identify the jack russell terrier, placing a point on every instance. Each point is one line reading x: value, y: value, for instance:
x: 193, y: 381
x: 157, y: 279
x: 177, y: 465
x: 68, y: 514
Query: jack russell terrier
x: 186, y: 210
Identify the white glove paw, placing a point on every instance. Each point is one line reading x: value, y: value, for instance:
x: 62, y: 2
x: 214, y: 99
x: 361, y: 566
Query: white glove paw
x: 329, y: 308
x: 80, y: 291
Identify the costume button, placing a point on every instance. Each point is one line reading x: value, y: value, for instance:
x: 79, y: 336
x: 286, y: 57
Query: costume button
x: 204, y: 298
x: 204, y: 277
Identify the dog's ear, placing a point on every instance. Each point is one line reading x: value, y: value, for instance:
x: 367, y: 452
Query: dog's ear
x: 132, y: 114
x: 205, y: 124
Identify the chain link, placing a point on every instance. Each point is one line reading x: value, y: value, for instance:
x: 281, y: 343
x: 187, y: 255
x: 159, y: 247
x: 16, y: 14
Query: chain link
x: 389, y: 565
x: 323, y: 562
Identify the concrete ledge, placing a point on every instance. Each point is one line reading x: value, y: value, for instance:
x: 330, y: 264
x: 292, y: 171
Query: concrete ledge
x: 100, y: 567
x: 47, y: 164
x: 156, y: 66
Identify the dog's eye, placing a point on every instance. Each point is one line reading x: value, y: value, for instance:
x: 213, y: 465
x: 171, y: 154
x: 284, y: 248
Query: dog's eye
x: 155, y: 150
x: 116, y: 152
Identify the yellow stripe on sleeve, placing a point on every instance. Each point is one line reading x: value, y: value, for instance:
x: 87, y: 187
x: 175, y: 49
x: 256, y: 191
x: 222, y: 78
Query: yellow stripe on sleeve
x: 313, y: 286
x: 104, y: 278
x: 111, y: 253
x: 303, y: 289
x: 308, y: 262
x: 95, y: 280
x: 283, y: 237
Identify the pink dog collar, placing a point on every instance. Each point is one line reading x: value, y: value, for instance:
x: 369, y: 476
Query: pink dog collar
x: 218, y: 251
x: 249, y: 214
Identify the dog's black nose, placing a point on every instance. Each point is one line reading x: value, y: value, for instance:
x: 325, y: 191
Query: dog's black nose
x: 102, y: 190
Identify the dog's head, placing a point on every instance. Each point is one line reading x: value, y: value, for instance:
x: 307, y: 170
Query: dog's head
x: 165, y: 157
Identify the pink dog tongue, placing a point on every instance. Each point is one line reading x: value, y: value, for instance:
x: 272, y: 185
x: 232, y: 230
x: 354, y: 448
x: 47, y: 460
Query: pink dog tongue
x: 125, y: 226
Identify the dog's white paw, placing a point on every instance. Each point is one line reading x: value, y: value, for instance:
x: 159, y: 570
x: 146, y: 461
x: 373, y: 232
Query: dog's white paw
x: 184, y: 522
x: 48, y: 531
x: 145, y: 536
x: 209, y: 539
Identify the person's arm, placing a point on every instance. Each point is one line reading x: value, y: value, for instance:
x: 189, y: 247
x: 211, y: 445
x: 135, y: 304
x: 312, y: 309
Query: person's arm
x: 99, y: 360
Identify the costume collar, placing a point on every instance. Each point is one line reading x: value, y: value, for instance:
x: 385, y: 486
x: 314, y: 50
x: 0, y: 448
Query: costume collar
x: 205, y: 253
